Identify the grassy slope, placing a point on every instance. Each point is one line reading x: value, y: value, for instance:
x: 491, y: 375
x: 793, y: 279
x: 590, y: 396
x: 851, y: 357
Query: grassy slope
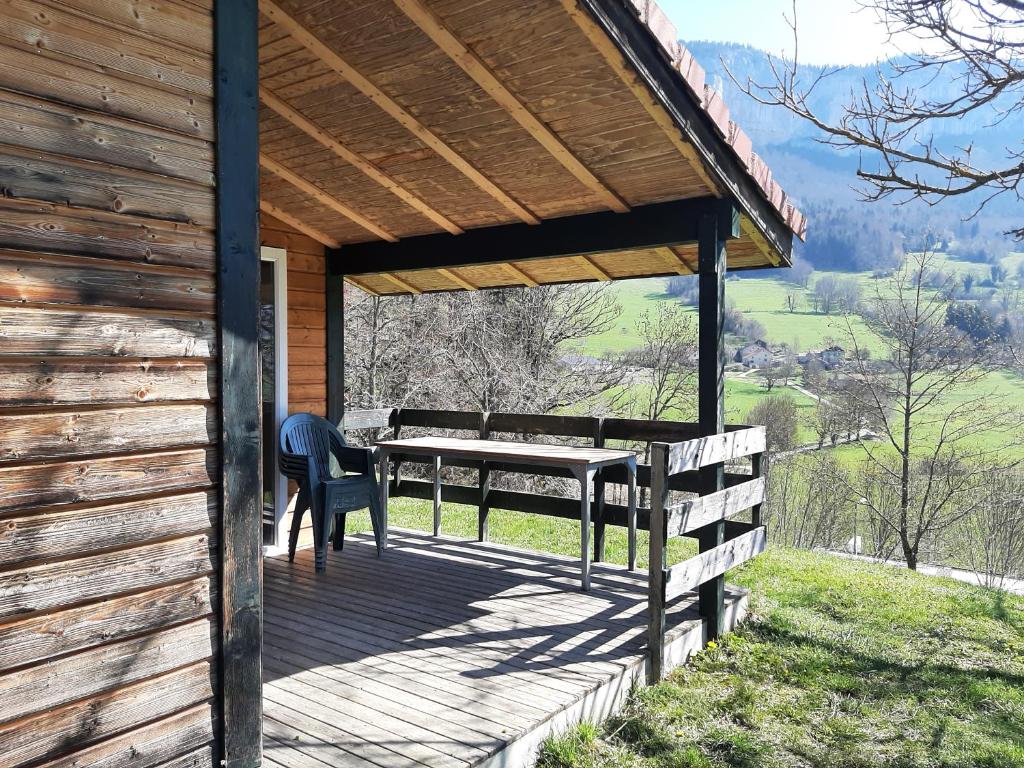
x: 841, y: 664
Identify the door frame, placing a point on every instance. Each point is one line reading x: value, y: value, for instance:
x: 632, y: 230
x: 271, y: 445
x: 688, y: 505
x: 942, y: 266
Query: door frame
x: 279, y: 258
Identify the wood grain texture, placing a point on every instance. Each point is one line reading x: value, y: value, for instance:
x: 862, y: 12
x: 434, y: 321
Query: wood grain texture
x: 55, y: 534
x: 48, y: 278
x: 102, y: 479
x: 35, y: 436
x: 69, y: 582
x: 108, y: 573
x: 31, y: 331
x: 97, y: 381
x: 712, y: 563
x: 47, y: 735
x: 49, y: 635
x: 100, y: 669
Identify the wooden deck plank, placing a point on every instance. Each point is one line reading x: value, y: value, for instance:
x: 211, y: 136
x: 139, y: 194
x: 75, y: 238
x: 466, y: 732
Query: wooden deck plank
x: 563, y: 626
x: 443, y: 653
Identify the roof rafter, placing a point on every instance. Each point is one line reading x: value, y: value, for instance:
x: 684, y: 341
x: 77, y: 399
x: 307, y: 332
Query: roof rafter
x: 520, y: 275
x: 318, y: 134
x: 453, y: 276
x: 332, y: 59
x: 592, y: 269
x: 632, y: 50
x: 396, y: 280
x: 299, y: 224
x: 606, y: 47
x: 318, y: 194
x: 436, y: 29
x: 674, y: 261
x: 361, y: 285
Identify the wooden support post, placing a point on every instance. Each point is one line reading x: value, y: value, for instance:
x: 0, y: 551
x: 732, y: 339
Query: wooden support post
x: 485, y: 482
x: 335, y: 347
x: 437, y: 495
x: 757, y: 470
x: 238, y: 313
x: 599, y: 522
x: 712, y: 233
x: 397, y: 428
x: 656, y: 563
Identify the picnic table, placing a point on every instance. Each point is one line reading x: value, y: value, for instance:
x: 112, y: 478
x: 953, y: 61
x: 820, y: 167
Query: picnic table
x: 583, y: 462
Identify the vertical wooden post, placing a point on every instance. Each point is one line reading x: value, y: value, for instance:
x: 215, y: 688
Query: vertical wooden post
x: 656, y: 563
x: 713, y: 228
x: 485, y: 482
x: 335, y: 345
x: 238, y: 310
x: 599, y: 523
x: 757, y: 470
x: 437, y: 495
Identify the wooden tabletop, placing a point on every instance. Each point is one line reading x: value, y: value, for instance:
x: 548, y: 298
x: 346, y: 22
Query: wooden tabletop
x: 506, y: 450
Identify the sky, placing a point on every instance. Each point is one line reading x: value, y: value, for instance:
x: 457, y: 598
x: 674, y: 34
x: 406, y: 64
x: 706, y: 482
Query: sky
x: 830, y: 31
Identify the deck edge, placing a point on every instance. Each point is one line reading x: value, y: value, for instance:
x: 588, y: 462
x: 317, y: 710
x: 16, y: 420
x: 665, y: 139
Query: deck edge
x: 607, y: 699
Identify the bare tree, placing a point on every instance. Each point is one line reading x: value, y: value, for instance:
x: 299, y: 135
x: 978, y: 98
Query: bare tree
x: 778, y: 415
x: 994, y: 533
x: 938, y: 425
x: 975, y: 45
x: 663, y: 368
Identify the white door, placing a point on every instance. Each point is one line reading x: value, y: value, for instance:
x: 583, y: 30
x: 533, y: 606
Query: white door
x: 274, y: 366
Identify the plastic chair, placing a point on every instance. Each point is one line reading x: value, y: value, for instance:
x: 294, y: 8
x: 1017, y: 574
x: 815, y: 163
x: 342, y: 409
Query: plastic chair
x: 307, y: 443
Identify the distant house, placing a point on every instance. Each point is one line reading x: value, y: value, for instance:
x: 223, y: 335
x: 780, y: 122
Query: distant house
x: 756, y: 355
x: 832, y: 356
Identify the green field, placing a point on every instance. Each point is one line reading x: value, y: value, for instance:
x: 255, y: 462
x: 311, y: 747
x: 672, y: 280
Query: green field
x: 840, y: 664
x: 762, y: 299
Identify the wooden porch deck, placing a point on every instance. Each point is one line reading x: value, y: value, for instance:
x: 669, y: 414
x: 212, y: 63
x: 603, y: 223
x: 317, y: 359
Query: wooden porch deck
x: 447, y: 652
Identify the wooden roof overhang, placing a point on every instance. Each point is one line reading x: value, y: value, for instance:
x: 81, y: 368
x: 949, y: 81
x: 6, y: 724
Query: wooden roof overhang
x: 440, y: 145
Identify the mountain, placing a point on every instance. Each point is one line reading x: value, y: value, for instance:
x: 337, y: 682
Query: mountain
x: 823, y: 176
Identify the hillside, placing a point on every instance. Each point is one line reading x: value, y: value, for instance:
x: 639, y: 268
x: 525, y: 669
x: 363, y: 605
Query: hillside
x: 841, y: 664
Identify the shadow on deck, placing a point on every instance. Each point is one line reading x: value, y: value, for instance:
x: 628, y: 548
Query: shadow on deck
x: 447, y: 652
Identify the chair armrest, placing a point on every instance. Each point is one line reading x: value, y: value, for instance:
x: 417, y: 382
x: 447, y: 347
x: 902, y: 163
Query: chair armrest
x: 353, y: 459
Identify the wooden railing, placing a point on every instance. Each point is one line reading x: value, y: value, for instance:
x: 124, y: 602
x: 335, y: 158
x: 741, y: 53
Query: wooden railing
x: 742, y: 540
x: 678, y: 455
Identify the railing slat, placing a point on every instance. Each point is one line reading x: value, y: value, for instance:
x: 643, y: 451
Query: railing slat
x: 714, y: 449
x: 688, y: 575
x: 692, y: 514
x: 368, y: 419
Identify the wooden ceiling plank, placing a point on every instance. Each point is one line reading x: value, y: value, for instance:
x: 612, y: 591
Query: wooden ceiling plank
x: 328, y: 56
x: 592, y: 268
x: 611, y: 54
x: 394, y: 279
x: 520, y: 275
x: 361, y: 285
x: 436, y: 29
x: 674, y: 261
x: 325, y: 199
x: 301, y: 226
x: 453, y: 276
x: 318, y: 134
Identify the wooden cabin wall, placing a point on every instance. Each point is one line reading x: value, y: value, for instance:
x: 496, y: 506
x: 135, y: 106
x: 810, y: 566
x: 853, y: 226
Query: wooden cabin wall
x: 307, y: 317
x: 108, y: 423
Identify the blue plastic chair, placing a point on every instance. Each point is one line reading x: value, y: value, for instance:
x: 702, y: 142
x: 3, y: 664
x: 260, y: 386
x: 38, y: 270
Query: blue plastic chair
x: 307, y: 443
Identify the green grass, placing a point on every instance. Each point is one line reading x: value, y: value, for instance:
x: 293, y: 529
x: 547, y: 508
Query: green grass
x: 840, y: 664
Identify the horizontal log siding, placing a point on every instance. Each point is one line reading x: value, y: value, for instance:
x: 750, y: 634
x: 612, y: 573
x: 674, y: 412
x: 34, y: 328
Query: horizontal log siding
x: 307, y: 317
x: 108, y: 369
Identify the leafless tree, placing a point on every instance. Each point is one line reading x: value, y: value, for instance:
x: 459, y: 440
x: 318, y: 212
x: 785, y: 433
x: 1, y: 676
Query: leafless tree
x: 994, y: 534
x: 975, y: 45
x: 800, y: 508
x: 937, y: 430
x: 778, y: 415
x: 662, y: 371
